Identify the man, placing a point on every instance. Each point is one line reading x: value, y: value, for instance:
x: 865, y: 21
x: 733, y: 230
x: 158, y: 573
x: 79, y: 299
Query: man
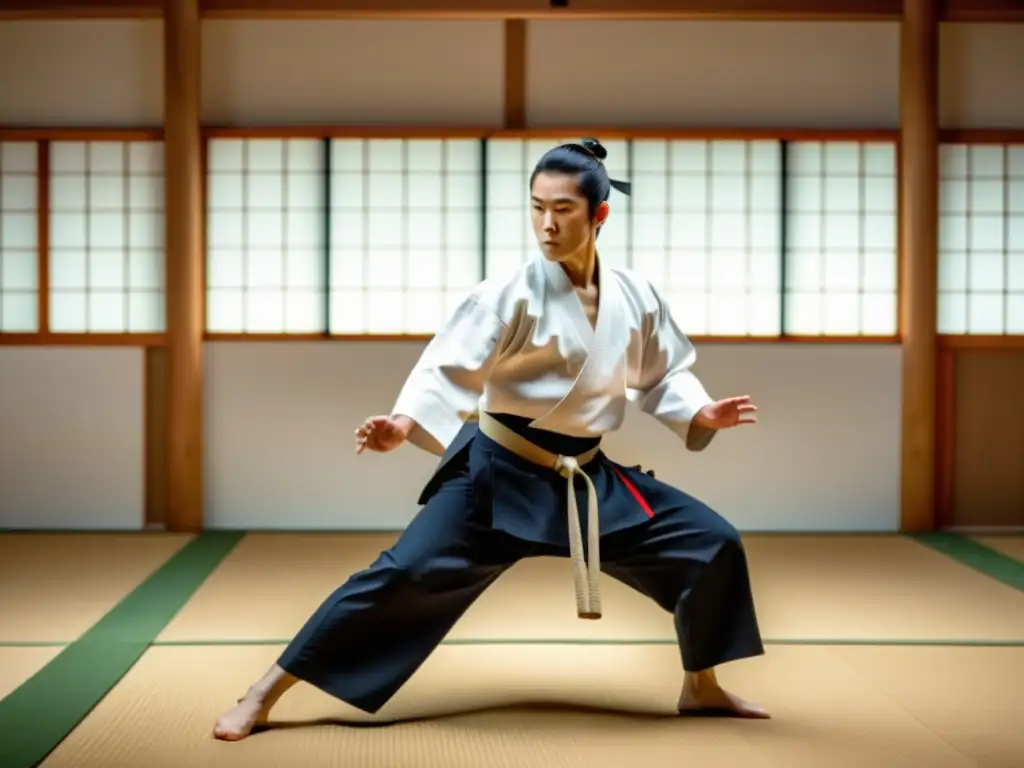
x: 514, y: 393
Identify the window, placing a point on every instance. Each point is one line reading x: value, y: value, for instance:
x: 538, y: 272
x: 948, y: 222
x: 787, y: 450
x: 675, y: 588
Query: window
x: 406, y: 232
x: 841, y: 262
x: 266, y: 236
x: 981, y: 240
x: 705, y: 229
x: 19, y: 223
x: 106, y: 237
x: 384, y: 236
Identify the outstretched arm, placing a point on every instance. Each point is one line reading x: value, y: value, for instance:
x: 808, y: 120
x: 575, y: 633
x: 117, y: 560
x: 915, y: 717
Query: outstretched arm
x: 670, y: 391
x: 667, y: 388
x: 444, y: 387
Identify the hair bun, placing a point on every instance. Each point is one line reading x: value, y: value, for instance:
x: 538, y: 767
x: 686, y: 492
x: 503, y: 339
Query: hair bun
x: 595, y: 147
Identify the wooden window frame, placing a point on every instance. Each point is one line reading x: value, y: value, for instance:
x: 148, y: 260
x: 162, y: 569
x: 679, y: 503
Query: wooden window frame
x: 951, y: 345
x: 333, y: 132
x: 44, y: 136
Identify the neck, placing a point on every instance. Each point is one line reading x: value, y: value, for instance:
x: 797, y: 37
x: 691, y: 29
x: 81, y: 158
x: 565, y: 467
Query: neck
x: 581, y: 268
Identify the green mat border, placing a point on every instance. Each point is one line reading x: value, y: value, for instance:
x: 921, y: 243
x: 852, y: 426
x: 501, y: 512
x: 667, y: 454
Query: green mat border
x: 37, y: 716
x: 949, y: 642
x: 942, y: 642
x: 975, y: 555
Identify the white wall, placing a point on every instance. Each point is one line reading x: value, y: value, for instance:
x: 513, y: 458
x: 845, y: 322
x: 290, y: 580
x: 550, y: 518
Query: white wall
x: 280, y: 416
x: 981, y: 67
x: 355, y: 72
x: 713, y: 74
x: 81, y: 73
x: 71, y: 438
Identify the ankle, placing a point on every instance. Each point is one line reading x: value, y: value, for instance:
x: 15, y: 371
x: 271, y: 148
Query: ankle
x: 254, y: 696
x: 705, y: 680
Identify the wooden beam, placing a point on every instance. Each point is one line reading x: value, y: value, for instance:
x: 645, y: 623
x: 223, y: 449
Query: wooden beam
x: 49, y: 339
x: 155, y: 379
x: 981, y: 10
x: 515, y: 74
x: 880, y: 135
x: 481, y: 9
x: 80, y: 9
x: 919, y: 259
x: 989, y: 343
x: 786, y: 10
x: 733, y: 9
x: 184, y: 248
x: 43, y: 236
x: 546, y: 9
x: 945, y: 436
x: 982, y: 136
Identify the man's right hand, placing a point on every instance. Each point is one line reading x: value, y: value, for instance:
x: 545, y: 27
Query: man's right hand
x: 381, y: 434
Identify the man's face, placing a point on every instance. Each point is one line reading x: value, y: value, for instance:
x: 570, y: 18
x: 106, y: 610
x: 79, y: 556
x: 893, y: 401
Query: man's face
x: 561, y: 217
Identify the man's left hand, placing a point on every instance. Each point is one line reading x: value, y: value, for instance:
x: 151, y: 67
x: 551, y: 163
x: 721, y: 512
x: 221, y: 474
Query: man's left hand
x: 731, y: 412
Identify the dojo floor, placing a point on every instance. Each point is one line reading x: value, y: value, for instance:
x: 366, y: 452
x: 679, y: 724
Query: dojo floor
x: 882, y: 651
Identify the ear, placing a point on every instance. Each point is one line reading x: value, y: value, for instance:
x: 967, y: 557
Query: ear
x: 601, y: 214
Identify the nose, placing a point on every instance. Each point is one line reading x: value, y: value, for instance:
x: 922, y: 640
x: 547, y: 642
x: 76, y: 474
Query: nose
x: 549, y: 222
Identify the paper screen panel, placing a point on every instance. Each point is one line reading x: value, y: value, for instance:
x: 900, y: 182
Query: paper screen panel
x: 106, y: 260
x: 266, y: 236
x: 406, y: 227
x: 19, y: 246
x: 981, y: 239
x: 841, y: 240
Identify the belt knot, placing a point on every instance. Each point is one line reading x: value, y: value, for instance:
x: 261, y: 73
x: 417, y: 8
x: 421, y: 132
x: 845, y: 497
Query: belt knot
x: 567, y: 466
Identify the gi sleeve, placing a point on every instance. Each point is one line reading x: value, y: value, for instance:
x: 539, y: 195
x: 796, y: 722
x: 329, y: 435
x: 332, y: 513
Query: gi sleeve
x: 445, y: 386
x: 667, y: 388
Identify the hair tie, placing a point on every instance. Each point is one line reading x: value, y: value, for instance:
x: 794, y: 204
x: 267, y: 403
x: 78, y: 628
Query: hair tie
x: 594, y: 147
x: 623, y: 186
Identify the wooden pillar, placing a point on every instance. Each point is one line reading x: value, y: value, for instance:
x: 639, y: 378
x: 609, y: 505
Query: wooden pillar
x: 919, y: 259
x: 515, y: 73
x: 184, y: 243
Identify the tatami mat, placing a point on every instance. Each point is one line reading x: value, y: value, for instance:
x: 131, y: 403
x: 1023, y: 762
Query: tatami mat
x: 807, y: 588
x: 19, y: 664
x: 971, y: 697
x: 1012, y: 546
x: 558, y: 706
x: 54, y: 586
x: 876, y: 587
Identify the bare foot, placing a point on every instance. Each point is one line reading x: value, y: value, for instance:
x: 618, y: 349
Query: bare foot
x: 238, y: 722
x: 253, y: 710
x: 702, y: 695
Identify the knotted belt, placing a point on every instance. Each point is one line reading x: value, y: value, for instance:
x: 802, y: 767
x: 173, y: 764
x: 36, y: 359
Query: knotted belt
x: 585, y: 574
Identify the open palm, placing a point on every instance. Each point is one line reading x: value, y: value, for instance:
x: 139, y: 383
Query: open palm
x: 731, y: 412
x: 379, y: 433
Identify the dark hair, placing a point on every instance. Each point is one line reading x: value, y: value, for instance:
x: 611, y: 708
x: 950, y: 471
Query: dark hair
x: 584, y: 161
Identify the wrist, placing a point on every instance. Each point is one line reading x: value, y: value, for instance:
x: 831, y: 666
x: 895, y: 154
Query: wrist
x: 403, y: 423
x: 701, y: 417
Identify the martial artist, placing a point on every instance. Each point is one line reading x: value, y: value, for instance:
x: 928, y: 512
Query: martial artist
x: 515, y: 393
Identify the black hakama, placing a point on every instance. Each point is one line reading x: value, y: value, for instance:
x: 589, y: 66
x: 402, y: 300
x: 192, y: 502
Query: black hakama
x: 485, y: 509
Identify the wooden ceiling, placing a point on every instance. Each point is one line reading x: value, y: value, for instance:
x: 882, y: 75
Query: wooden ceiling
x: 787, y: 10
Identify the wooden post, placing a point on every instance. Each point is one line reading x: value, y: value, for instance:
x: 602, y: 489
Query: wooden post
x: 919, y: 259
x: 184, y: 246
x: 515, y: 73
